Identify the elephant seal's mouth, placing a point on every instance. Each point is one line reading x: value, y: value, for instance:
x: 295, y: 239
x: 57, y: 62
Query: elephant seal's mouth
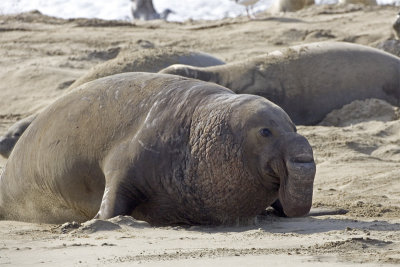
x: 303, y: 165
x: 303, y: 158
x: 269, y: 177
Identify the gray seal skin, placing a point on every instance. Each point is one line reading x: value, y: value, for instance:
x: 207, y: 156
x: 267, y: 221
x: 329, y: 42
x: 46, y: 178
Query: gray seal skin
x: 309, y: 81
x: 148, y: 60
x: 162, y: 148
x: 7, y: 142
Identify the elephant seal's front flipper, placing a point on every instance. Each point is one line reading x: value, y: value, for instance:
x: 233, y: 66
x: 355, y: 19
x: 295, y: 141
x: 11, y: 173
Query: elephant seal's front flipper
x: 117, y: 200
x: 277, y: 205
x: 121, y: 194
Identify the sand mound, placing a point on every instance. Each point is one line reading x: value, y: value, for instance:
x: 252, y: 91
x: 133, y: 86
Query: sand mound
x: 390, y: 151
x: 361, y: 111
x: 95, y: 225
x: 128, y: 221
x: 69, y: 226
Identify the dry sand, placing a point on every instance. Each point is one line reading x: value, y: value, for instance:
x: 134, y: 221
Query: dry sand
x: 358, y: 157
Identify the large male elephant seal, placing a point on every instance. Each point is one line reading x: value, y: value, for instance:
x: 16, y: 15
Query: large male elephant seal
x: 148, y: 60
x: 309, y: 81
x: 163, y: 148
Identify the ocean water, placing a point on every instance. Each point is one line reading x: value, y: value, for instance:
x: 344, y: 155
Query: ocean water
x: 120, y: 9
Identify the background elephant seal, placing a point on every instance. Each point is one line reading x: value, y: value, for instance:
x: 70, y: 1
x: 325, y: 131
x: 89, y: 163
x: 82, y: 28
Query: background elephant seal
x: 309, y: 81
x: 365, y: 2
x: 144, y: 10
x: 396, y: 26
x: 390, y: 46
x: 163, y: 148
x: 290, y: 5
x: 7, y: 142
x: 148, y: 60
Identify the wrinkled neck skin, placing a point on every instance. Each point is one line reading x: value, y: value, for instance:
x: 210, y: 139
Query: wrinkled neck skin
x: 229, y: 191
x: 226, y: 173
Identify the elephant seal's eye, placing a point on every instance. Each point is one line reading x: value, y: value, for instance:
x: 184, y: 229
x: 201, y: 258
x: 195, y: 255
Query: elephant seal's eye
x: 265, y: 132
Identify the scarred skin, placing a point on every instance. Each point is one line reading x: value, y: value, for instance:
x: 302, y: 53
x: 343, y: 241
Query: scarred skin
x: 165, y: 149
x: 309, y: 81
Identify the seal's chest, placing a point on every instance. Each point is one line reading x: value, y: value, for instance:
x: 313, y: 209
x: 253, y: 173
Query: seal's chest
x: 162, y: 211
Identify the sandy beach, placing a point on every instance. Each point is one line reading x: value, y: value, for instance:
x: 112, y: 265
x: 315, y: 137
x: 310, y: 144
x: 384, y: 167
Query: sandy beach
x: 355, y: 217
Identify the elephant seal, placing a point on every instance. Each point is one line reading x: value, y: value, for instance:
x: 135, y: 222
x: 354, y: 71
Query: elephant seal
x: 7, y: 142
x: 311, y: 80
x: 290, y: 5
x: 396, y: 26
x: 162, y: 148
x: 391, y: 46
x: 144, y: 10
x: 365, y: 2
x: 149, y: 60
